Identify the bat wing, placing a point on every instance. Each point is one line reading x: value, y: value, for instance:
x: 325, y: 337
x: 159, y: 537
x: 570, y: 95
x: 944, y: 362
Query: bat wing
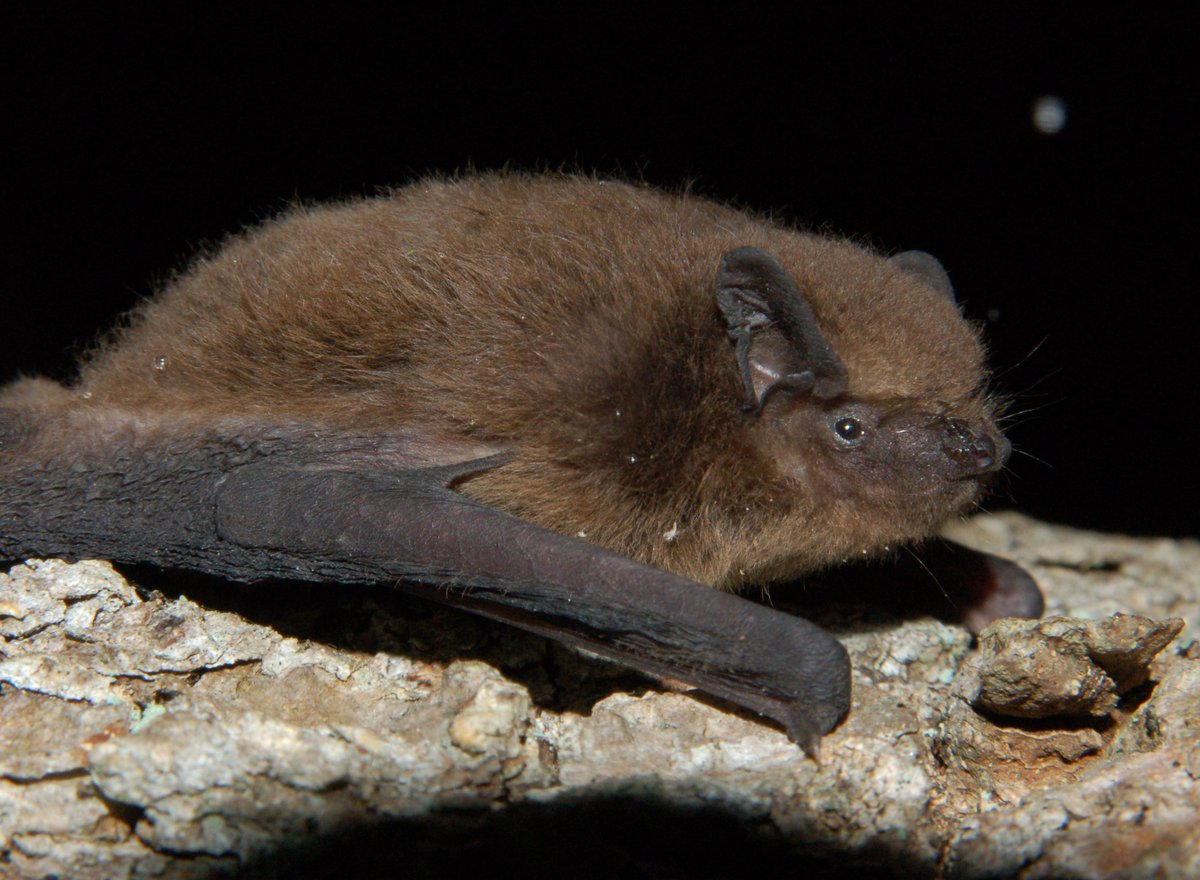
x: 983, y: 587
x: 249, y: 502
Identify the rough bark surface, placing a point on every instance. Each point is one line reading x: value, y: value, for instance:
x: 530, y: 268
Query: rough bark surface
x: 299, y: 730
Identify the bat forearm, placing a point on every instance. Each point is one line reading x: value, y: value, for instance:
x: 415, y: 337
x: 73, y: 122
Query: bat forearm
x: 252, y: 510
x: 780, y: 666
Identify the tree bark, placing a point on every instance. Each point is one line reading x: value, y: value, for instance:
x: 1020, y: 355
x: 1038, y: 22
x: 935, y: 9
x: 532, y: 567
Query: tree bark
x: 327, y: 731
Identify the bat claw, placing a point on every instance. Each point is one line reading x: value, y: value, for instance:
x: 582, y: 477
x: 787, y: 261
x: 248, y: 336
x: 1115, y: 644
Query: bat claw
x: 806, y: 735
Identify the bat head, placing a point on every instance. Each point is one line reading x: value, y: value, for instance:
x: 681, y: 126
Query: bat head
x: 875, y: 431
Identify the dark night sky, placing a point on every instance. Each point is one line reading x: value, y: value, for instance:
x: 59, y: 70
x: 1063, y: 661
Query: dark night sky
x: 135, y: 140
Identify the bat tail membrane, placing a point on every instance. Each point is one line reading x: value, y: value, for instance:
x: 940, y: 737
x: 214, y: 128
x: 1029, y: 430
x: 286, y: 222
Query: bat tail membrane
x: 251, y: 502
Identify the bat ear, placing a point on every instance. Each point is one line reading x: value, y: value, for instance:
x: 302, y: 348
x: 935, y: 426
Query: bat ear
x: 779, y: 347
x: 928, y: 269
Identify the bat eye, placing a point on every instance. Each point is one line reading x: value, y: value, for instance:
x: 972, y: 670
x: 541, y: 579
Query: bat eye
x: 849, y: 430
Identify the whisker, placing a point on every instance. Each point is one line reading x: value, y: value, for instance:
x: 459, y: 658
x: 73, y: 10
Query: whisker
x: 1033, y: 457
x: 933, y: 577
x: 1031, y: 353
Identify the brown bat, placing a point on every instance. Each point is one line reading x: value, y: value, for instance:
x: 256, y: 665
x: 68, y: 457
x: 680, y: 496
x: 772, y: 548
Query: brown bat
x: 562, y: 402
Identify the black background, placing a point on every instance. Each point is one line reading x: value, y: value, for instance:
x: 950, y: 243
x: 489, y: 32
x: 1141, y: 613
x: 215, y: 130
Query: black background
x: 136, y: 140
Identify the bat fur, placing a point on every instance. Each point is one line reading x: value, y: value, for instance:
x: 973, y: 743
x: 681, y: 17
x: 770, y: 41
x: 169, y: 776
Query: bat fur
x: 700, y: 390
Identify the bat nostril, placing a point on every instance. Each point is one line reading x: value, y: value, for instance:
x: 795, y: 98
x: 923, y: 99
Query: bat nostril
x: 973, y: 453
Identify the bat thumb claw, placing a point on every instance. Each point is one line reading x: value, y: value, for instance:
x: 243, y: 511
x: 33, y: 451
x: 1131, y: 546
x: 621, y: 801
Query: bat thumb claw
x: 808, y: 737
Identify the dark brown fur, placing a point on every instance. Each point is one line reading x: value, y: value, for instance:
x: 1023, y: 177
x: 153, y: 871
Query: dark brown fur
x: 573, y: 320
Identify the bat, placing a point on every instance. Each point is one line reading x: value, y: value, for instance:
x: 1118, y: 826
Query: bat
x: 572, y: 404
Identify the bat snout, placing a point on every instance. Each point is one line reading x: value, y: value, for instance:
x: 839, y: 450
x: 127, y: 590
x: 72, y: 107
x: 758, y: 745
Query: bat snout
x: 973, y: 452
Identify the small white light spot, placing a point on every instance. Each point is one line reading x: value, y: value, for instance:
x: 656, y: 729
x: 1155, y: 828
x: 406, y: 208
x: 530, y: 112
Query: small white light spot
x: 633, y: 459
x: 87, y: 395
x: 581, y: 534
x: 1049, y: 114
x: 160, y: 362
x: 618, y: 414
x: 672, y: 533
